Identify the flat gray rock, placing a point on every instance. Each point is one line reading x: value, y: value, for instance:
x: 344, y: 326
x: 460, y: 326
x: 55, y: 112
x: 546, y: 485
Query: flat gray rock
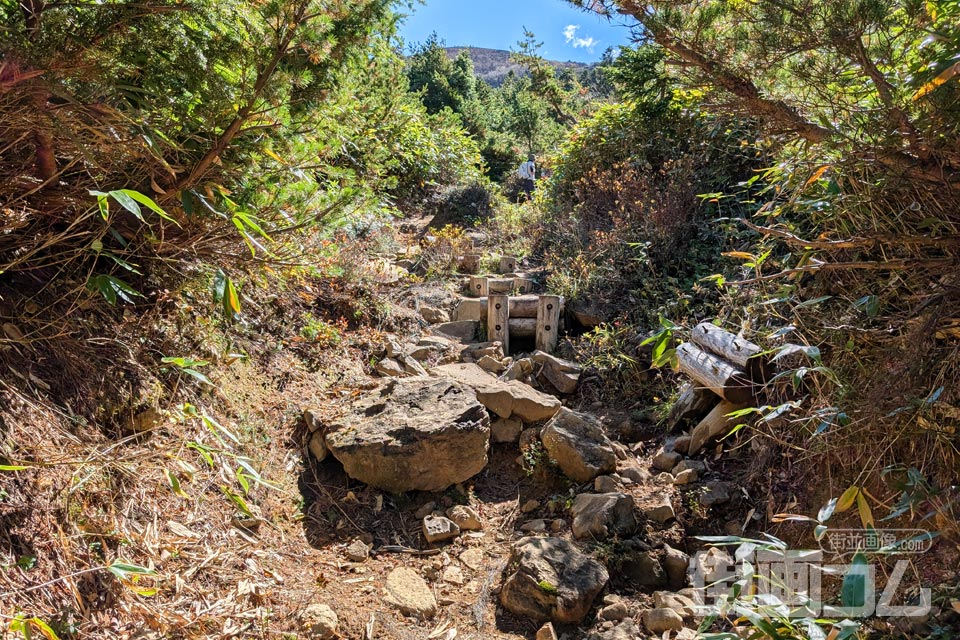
x: 412, y: 434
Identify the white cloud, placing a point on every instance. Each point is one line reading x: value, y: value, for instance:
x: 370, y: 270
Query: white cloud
x: 570, y: 33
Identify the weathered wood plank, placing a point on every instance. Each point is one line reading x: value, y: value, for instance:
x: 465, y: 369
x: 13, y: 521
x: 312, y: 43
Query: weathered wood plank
x: 548, y: 322
x: 498, y: 320
x: 714, y: 373
x: 731, y: 348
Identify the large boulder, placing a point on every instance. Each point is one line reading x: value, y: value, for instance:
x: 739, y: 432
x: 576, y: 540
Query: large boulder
x: 412, y: 434
x: 505, y: 399
x: 601, y: 515
x: 577, y: 443
x: 549, y: 579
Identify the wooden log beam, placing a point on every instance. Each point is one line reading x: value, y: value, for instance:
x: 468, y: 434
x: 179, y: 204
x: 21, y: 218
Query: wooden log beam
x: 738, y: 351
x: 721, y: 377
x: 508, y: 264
x: 477, y: 287
x: 470, y: 263
x: 500, y: 285
x: 523, y: 285
x: 520, y: 306
x: 523, y: 327
x: 715, y: 425
x: 498, y: 320
x: 548, y: 322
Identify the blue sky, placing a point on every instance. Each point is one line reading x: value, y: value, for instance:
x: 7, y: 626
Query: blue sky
x: 567, y: 33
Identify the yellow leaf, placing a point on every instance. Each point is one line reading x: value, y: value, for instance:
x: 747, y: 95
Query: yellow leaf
x: 940, y: 80
x: 816, y: 175
x: 274, y: 156
x: 846, y: 499
x: 866, y: 516
x: 743, y: 255
x: 233, y: 300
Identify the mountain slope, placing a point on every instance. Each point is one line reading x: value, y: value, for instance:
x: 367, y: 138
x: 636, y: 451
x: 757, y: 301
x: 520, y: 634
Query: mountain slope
x: 493, y: 65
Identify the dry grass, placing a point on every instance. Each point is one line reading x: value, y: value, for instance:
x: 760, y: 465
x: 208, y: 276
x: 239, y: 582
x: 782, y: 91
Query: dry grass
x: 106, y: 483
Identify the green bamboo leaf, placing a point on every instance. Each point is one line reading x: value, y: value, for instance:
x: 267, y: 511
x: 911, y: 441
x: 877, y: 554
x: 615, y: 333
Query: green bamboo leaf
x: 175, y: 484
x: 125, y: 570
x: 147, y: 202
x: 127, y: 203
x: 853, y: 592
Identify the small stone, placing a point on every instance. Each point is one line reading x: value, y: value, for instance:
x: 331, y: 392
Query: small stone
x: 409, y: 593
x: 676, y: 563
x: 694, y: 465
x: 312, y: 418
x: 411, y: 366
x: 603, y: 515
x: 550, y: 579
x: 318, y: 446
x: 665, y: 460
x: 505, y: 430
x: 732, y: 528
x: 358, y: 551
x: 685, y: 607
x: 319, y: 622
x: 488, y: 363
x: 635, y: 473
x: 614, y: 612
x: 422, y: 354
x: 534, y: 526
x: 472, y: 558
x: 465, y: 518
x: 439, y: 529
x: 425, y: 510
x: 606, y: 625
x: 547, y: 632
x: 642, y: 570
x: 660, y: 620
x: 716, y: 493
x: 621, y: 450
x: 577, y: 443
x: 528, y: 437
x: 611, y: 598
x: 663, y: 479
x: 557, y: 525
x: 390, y: 368
x: 454, y: 575
x: 392, y: 348
x: 434, y: 315
x: 682, y: 444
x: 686, y: 634
x: 687, y: 476
x: 519, y: 370
x: 661, y: 511
x: 464, y: 331
x: 530, y: 506
x: 606, y: 484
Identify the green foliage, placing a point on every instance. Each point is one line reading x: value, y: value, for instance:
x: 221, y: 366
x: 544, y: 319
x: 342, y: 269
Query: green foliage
x: 190, y: 367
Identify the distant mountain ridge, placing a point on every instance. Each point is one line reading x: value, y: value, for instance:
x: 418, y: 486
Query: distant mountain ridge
x: 493, y: 65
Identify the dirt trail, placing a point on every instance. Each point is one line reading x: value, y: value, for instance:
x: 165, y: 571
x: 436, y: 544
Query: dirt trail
x: 520, y: 492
